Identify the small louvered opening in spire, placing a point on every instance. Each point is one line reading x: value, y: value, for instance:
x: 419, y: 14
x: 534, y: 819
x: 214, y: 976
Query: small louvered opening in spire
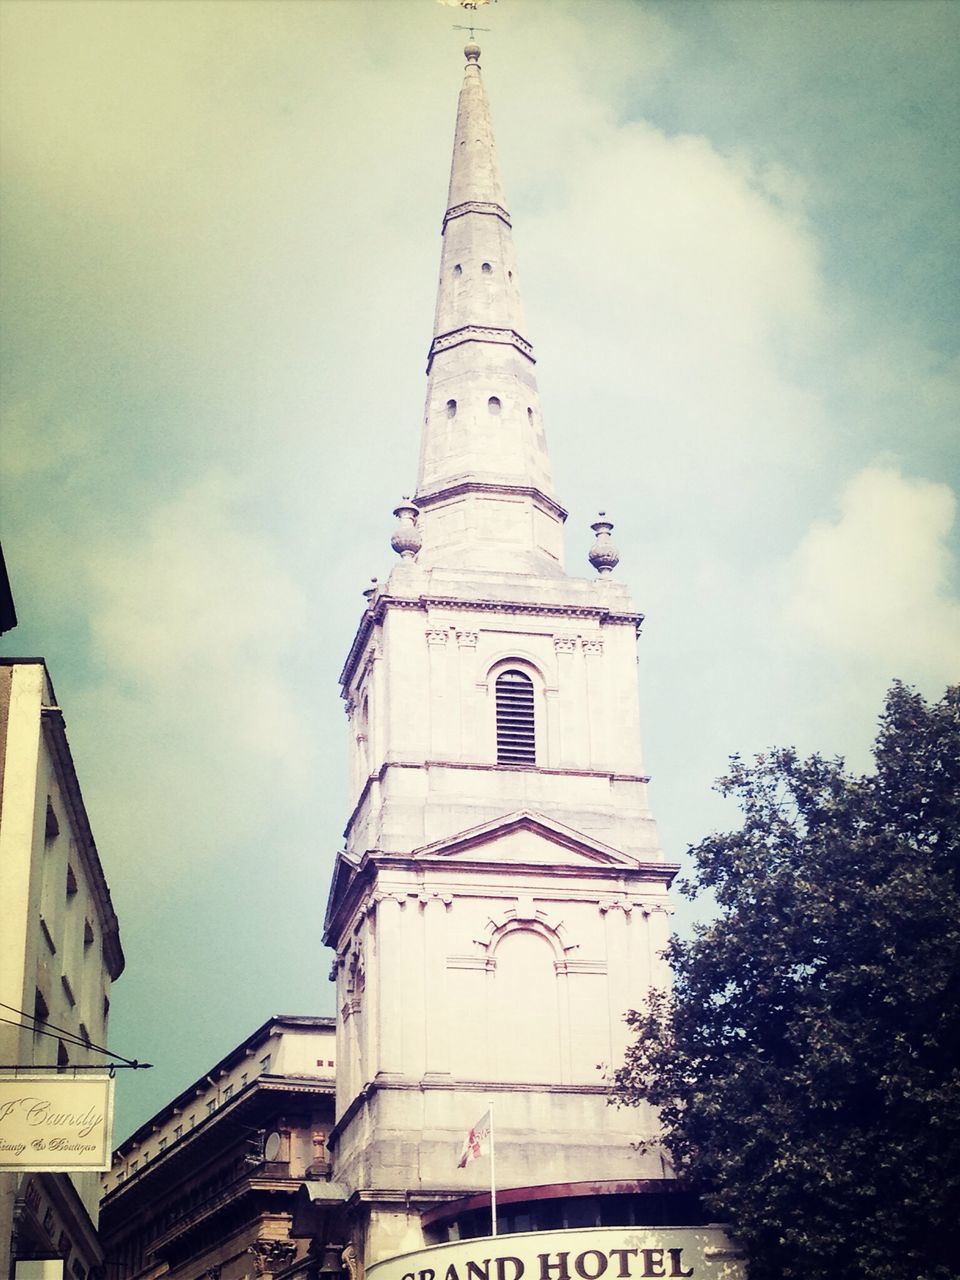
x: 516, y: 736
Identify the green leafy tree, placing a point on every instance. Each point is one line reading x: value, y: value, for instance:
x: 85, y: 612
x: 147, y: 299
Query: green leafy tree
x: 807, y: 1063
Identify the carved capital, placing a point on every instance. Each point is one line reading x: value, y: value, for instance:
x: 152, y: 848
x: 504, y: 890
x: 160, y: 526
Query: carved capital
x: 352, y: 1262
x: 467, y: 639
x: 444, y: 899
x: 270, y: 1256
x: 616, y: 904
x: 593, y: 645
x: 436, y: 635
x: 399, y: 898
x: 565, y: 644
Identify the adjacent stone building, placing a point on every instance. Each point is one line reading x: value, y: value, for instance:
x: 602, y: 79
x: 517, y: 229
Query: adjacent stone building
x: 205, y: 1188
x: 59, y: 955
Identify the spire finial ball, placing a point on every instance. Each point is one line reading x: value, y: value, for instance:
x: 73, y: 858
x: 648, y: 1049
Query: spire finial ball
x: 472, y: 52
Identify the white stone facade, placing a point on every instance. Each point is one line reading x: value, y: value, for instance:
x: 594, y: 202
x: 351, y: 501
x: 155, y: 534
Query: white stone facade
x: 501, y: 899
x: 59, y: 945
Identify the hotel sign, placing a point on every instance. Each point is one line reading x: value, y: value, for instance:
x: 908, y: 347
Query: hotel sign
x: 601, y: 1253
x: 54, y: 1123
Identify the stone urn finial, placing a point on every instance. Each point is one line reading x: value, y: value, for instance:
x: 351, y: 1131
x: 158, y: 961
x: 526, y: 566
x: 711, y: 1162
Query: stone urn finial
x: 407, y: 538
x: 604, y: 556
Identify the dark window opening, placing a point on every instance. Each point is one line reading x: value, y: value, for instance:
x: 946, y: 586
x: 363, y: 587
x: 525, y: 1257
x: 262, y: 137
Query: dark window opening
x: 516, y: 737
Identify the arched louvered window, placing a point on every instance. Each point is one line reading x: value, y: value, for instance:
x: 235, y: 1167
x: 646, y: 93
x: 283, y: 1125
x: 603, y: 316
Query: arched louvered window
x: 516, y: 736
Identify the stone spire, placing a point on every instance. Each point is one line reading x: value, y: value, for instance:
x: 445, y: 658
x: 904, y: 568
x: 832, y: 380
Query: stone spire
x: 484, y: 490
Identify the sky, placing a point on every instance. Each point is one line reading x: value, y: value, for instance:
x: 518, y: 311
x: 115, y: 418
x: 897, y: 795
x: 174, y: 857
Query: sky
x: 737, y: 237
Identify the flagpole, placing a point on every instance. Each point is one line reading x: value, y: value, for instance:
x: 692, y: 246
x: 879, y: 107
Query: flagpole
x: 493, y: 1179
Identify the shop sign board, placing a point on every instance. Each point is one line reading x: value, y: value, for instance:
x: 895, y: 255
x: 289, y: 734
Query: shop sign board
x: 54, y: 1123
x: 600, y: 1253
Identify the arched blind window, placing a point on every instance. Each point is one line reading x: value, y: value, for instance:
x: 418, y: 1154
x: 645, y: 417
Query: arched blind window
x: 516, y: 740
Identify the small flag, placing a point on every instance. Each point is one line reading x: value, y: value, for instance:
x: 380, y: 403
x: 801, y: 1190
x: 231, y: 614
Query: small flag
x: 477, y: 1141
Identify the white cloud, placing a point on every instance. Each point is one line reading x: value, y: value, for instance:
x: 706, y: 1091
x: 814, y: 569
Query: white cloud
x: 200, y: 637
x: 198, y: 607
x: 37, y: 441
x: 876, y: 584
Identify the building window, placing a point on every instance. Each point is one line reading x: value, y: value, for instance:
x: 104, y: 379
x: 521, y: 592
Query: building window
x: 265, y: 1064
x: 227, y: 1092
x: 71, y: 881
x: 178, y: 1133
x: 51, y: 826
x: 211, y: 1106
x: 516, y: 736
x: 40, y: 1010
x: 451, y: 408
x: 163, y: 1144
x: 493, y: 405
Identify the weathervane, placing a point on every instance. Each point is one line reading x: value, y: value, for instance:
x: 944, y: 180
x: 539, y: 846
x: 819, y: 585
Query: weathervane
x: 457, y: 27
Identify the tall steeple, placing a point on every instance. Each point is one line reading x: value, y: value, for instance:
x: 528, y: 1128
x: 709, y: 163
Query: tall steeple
x: 501, y: 897
x: 484, y: 489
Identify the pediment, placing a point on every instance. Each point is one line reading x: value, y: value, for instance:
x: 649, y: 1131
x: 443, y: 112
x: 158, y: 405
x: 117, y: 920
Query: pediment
x: 344, y: 873
x: 525, y: 838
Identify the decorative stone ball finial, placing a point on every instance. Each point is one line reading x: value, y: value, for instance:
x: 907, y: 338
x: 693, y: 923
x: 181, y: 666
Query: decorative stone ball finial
x: 471, y: 52
x: 604, y: 556
x: 407, y: 538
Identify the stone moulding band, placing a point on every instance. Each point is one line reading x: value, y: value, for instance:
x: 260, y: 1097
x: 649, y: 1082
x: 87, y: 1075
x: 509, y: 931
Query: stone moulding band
x: 457, y: 487
x: 479, y: 333
x: 378, y: 777
x: 477, y: 206
x: 489, y: 207
x: 424, y: 603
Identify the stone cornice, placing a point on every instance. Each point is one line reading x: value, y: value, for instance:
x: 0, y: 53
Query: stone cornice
x: 377, y: 612
x: 461, y: 487
x: 479, y: 333
x: 343, y: 908
x: 449, y: 1084
x: 55, y: 736
x: 477, y: 206
x: 488, y: 766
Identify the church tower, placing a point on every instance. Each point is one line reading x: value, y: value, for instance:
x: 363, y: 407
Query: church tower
x: 501, y: 898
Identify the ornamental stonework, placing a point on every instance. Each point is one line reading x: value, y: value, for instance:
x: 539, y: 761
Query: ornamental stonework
x: 270, y: 1256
